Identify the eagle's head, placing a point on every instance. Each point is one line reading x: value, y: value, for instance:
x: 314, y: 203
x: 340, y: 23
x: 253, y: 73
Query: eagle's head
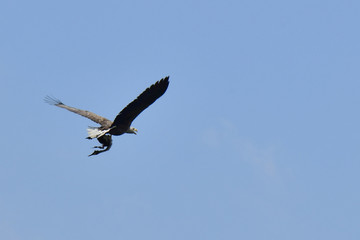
x: 132, y: 130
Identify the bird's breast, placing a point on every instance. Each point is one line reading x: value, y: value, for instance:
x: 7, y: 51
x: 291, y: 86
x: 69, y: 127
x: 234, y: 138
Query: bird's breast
x: 118, y: 130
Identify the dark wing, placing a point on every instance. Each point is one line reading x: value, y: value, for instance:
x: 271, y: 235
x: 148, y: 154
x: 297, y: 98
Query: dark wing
x: 92, y: 116
x: 145, y: 99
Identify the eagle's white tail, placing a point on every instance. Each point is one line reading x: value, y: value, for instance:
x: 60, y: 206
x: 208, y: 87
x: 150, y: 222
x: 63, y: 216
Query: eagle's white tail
x: 95, y: 132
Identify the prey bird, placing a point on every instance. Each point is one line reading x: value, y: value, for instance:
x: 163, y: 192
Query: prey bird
x: 122, y: 122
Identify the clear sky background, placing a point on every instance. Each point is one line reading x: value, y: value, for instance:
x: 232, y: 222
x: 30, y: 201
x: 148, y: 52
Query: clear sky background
x: 257, y: 136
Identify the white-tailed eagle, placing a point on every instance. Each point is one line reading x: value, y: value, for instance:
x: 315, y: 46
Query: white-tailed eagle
x: 122, y: 122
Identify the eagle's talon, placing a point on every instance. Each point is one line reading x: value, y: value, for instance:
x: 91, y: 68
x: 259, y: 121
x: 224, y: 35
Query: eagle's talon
x: 101, y: 147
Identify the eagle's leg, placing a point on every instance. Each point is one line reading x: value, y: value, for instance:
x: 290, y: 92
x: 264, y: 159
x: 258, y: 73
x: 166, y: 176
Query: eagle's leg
x: 101, y: 147
x: 106, y: 141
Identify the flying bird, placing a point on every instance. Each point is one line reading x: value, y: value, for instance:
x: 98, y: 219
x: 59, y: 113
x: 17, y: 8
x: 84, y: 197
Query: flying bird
x: 122, y: 122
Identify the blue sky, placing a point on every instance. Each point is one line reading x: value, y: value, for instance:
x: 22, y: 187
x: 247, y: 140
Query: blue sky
x: 257, y: 136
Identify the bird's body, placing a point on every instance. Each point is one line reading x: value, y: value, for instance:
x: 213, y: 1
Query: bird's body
x: 122, y: 122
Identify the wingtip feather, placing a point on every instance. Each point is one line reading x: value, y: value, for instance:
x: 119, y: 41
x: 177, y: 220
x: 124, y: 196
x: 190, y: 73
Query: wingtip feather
x: 52, y: 100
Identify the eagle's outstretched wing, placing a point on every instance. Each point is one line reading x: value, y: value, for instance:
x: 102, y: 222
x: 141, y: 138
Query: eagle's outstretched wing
x: 145, y: 99
x: 92, y: 116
